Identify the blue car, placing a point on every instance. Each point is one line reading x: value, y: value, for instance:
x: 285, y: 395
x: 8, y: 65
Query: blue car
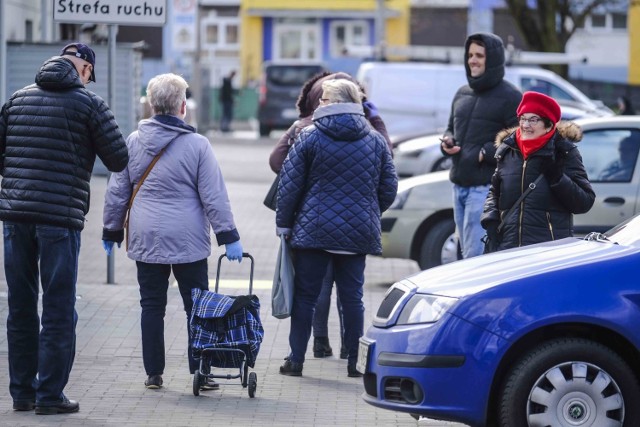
x: 544, y: 335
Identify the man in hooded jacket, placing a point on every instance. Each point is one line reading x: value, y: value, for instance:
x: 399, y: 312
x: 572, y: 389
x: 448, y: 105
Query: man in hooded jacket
x: 50, y: 134
x: 479, y: 110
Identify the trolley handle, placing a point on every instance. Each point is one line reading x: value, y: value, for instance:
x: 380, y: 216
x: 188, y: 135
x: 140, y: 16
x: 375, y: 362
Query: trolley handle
x: 244, y: 255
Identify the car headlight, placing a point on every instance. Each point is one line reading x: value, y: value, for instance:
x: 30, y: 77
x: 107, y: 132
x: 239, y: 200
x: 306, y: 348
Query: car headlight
x: 425, y: 309
x: 400, y: 200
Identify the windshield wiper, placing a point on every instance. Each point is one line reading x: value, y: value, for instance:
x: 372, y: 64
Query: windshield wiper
x: 594, y: 236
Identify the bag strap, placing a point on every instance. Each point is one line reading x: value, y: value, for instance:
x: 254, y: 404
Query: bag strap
x: 523, y: 196
x: 135, y: 190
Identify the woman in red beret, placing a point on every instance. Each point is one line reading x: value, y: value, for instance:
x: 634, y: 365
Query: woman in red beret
x: 540, y: 153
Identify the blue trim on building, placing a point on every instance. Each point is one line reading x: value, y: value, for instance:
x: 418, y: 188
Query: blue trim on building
x: 267, y: 39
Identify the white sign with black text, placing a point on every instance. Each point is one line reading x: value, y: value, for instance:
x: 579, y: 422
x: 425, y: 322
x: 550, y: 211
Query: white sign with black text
x: 122, y: 12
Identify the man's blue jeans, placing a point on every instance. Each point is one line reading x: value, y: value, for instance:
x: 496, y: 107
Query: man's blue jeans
x: 40, y: 360
x: 153, y: 280
x: 468, y: 204
x: 310, y: 267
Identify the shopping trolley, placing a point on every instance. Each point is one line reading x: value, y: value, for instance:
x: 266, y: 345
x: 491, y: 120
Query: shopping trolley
x: 226, y: 332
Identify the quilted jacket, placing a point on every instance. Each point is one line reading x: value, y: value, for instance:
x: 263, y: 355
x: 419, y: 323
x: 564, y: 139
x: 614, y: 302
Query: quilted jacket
x: 50, y: 133
x: 546, y: 213
x: 336, y: 181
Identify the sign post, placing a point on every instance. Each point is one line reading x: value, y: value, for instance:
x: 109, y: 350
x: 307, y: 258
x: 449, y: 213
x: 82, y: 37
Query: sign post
x: 114, y: 13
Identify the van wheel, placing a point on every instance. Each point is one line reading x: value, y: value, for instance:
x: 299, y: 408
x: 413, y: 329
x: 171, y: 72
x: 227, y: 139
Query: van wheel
x: 440, y: 245
x: 265, y: 130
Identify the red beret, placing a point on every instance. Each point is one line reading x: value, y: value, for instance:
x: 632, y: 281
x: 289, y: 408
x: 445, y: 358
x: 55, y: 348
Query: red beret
x: 540, y: 104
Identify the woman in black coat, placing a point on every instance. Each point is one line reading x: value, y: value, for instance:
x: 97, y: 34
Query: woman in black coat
x: 540, y: 146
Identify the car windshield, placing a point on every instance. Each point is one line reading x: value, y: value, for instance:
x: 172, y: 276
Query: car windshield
x: 627, y: 233
x: 291, y: 76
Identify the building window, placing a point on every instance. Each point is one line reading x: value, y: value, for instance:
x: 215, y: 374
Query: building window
x: 220, y: 32
x: 296, y: 42
x: 348, y: 33
x: 28, y: 31
x: 598, y: 21
x: 212, y: 34
x: 619, y: 21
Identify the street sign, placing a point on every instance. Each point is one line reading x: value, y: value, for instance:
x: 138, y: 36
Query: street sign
x: 121, y: 12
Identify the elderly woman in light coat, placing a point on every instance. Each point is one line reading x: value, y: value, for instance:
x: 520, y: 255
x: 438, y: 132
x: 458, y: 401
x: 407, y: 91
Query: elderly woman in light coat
x: 181, y: 199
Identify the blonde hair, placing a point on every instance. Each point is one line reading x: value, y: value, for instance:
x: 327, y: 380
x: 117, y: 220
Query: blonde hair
x: 342, y: 90
x: 166, y: 93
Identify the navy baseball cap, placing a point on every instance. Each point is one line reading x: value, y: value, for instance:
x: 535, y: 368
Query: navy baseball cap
x: 82, y: 51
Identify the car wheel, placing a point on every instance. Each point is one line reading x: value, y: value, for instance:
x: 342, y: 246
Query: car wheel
x: 570, y: 382
x: 443, y: 164
x: 439, y: 246
x: 265, y: 130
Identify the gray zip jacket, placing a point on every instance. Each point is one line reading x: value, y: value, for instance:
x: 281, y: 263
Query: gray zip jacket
x: 182, y: 197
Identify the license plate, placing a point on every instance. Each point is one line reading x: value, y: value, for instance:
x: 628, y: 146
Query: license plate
x: 290, y: 113
x: 363, y: 356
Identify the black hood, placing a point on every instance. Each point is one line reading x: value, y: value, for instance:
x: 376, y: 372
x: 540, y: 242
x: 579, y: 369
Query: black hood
x: 494, y: 67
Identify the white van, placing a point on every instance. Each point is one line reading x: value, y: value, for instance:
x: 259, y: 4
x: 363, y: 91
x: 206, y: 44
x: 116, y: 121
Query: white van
x: 415, y: 98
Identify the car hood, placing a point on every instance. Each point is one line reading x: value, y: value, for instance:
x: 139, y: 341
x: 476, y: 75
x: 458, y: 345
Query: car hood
x: 466, y: 277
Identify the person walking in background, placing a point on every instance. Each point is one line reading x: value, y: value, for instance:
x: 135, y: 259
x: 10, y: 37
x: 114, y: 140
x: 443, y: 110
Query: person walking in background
x: 307, y: 103
x: 539, y: 147
x: 50, y: 133
x: 226, y: 101
x: 625, y: 108
x: 336, y: 180
x: 478, y: 112
x: 181, y: 199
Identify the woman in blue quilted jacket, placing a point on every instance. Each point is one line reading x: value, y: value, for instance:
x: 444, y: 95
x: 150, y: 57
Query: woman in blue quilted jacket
x: 335, y: 182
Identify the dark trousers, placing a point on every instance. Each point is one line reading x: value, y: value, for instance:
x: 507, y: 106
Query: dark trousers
x: 323, y: 306
x: 310, y: 267
x: 153, y: 280
x: 227, y: 116
x: 40, y: 359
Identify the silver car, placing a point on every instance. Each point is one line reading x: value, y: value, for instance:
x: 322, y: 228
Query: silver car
x: 419, y: 225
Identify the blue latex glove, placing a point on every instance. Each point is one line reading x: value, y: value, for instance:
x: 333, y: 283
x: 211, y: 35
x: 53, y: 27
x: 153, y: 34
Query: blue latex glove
x: 108, y: 246
x: 234, y: 251
x: 370, y: 109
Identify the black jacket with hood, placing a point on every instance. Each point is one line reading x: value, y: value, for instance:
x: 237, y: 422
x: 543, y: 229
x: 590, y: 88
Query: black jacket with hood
x: 50, y: 133
x: 479, y: 111
x: 547, y: 212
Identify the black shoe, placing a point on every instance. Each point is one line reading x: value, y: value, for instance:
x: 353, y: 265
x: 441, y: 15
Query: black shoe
x: 321, y: 347
x: 66, y: 406
x: 291, y: 369
x: 344, y: 353
x: 352, y: 371
x: 153, y: 382
x: 23, y: 405
x: 207, y: 384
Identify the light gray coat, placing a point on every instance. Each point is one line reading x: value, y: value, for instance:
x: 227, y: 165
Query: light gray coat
x: 182, y: 197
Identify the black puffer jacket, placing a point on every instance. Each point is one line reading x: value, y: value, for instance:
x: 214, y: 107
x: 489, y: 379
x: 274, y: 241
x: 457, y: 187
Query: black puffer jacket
x: 546, y: 213
x: 479, y: 111
x: 50, y: 133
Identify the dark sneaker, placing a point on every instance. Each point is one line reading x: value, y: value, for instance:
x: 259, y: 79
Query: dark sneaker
x: 208, y: 384
x: 23, y: 405
x: 153, y: 382
x: 66, y: 406
x: 352, y: 371
x: 321, y: 347
x: 291, y: 369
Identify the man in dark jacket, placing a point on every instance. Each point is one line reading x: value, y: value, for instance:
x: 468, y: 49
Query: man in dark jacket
x: 478, y: 112
x: 50, y: 133
x: 226, y: 102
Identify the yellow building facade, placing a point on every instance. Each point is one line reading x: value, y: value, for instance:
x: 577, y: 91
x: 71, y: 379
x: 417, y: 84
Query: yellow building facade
x: 317, y: 31
x: 633, y: 25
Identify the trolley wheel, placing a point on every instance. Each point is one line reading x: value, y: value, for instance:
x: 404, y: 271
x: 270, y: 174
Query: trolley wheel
x: 196, y: 383
x: 253, y: 383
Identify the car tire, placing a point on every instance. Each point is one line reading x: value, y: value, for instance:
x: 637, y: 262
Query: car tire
x: 570, y: 382
x: 264, y: 129
x: 443, y: 164
x: 439, y: 245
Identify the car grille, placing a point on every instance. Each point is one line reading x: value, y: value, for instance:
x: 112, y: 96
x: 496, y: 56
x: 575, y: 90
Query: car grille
x: 389, y: 302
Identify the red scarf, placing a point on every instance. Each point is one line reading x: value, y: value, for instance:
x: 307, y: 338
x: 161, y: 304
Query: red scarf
x: 530, y: 146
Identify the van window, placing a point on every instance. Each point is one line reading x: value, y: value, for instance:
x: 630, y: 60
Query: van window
x: 283, y: 75
x: 548, y: 88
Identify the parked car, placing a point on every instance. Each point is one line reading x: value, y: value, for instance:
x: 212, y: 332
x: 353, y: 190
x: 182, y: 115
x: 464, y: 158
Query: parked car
x: 415, y: 97
x: 419, y: 225
x: 280, y: 86
x: 421, y: 154
x: 544, y: 335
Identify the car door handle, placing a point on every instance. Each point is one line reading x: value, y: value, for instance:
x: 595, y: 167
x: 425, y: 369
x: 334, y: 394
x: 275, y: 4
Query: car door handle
x: 615, y: 200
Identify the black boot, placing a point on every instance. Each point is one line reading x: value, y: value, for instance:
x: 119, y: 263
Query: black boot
x: 344, y: 353
x: 321, y: 347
